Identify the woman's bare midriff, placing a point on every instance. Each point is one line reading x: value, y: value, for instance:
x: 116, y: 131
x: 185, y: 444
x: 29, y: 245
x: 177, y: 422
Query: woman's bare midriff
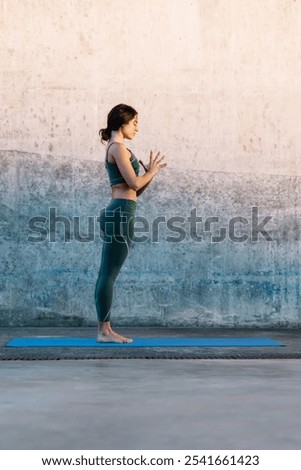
x: 122, y: 191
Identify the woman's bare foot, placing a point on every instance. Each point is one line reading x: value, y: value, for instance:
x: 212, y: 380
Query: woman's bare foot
x: 106, y: 338
x: 107, y: 335
x: 123, y: 339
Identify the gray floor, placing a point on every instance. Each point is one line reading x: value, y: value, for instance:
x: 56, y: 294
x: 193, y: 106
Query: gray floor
x: 151, y: 404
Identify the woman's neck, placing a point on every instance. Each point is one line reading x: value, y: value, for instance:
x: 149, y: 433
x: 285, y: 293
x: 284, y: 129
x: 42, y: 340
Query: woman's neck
x: 116, y: 136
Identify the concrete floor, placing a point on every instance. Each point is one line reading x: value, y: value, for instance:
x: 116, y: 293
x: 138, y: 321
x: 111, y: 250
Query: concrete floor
x: 150, y: 404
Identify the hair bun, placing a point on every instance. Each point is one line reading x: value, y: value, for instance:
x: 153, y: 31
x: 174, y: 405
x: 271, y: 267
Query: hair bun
x: 105, y: 134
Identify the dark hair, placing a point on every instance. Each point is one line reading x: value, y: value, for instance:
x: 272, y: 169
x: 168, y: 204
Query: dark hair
x: 119, y: 115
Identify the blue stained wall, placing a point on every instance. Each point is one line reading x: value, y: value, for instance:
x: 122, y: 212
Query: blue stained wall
x: 250, y: 280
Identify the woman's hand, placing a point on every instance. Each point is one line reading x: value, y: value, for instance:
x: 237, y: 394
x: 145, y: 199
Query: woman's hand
x: 155, y: 163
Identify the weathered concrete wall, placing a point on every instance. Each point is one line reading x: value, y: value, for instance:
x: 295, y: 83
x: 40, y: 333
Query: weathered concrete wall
x: 217, y: 87
x: 216, y: 83
x: 242, y: 277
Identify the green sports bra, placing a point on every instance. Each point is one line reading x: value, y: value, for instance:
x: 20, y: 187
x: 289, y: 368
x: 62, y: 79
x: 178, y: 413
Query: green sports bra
x: 115, y: 176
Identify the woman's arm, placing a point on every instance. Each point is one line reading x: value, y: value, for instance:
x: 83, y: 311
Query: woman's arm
x: 135, y: 182
x: 141, y: 190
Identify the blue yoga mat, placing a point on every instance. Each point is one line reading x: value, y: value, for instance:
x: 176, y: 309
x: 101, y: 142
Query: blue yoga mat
x: 55, y: 341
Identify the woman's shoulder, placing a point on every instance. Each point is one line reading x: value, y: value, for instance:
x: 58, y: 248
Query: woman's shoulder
x: 119, y: 146
x: 119, y: 150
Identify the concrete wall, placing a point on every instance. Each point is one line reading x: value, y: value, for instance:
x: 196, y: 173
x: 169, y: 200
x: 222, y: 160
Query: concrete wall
x: 217, y: 87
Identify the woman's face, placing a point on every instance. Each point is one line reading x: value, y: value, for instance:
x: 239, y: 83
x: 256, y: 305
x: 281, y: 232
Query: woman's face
x: 130, y: 129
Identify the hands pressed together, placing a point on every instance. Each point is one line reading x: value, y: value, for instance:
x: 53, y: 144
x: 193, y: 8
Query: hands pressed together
x: 155, y: 163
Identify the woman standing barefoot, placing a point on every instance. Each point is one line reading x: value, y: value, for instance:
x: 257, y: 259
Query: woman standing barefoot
x: 117, y: 220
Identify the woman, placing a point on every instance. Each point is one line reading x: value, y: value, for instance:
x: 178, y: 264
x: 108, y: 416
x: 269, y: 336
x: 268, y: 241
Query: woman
x: 117, y: 220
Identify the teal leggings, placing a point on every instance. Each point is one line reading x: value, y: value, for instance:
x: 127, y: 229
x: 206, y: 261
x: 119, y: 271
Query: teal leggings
x: 117, y: 223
